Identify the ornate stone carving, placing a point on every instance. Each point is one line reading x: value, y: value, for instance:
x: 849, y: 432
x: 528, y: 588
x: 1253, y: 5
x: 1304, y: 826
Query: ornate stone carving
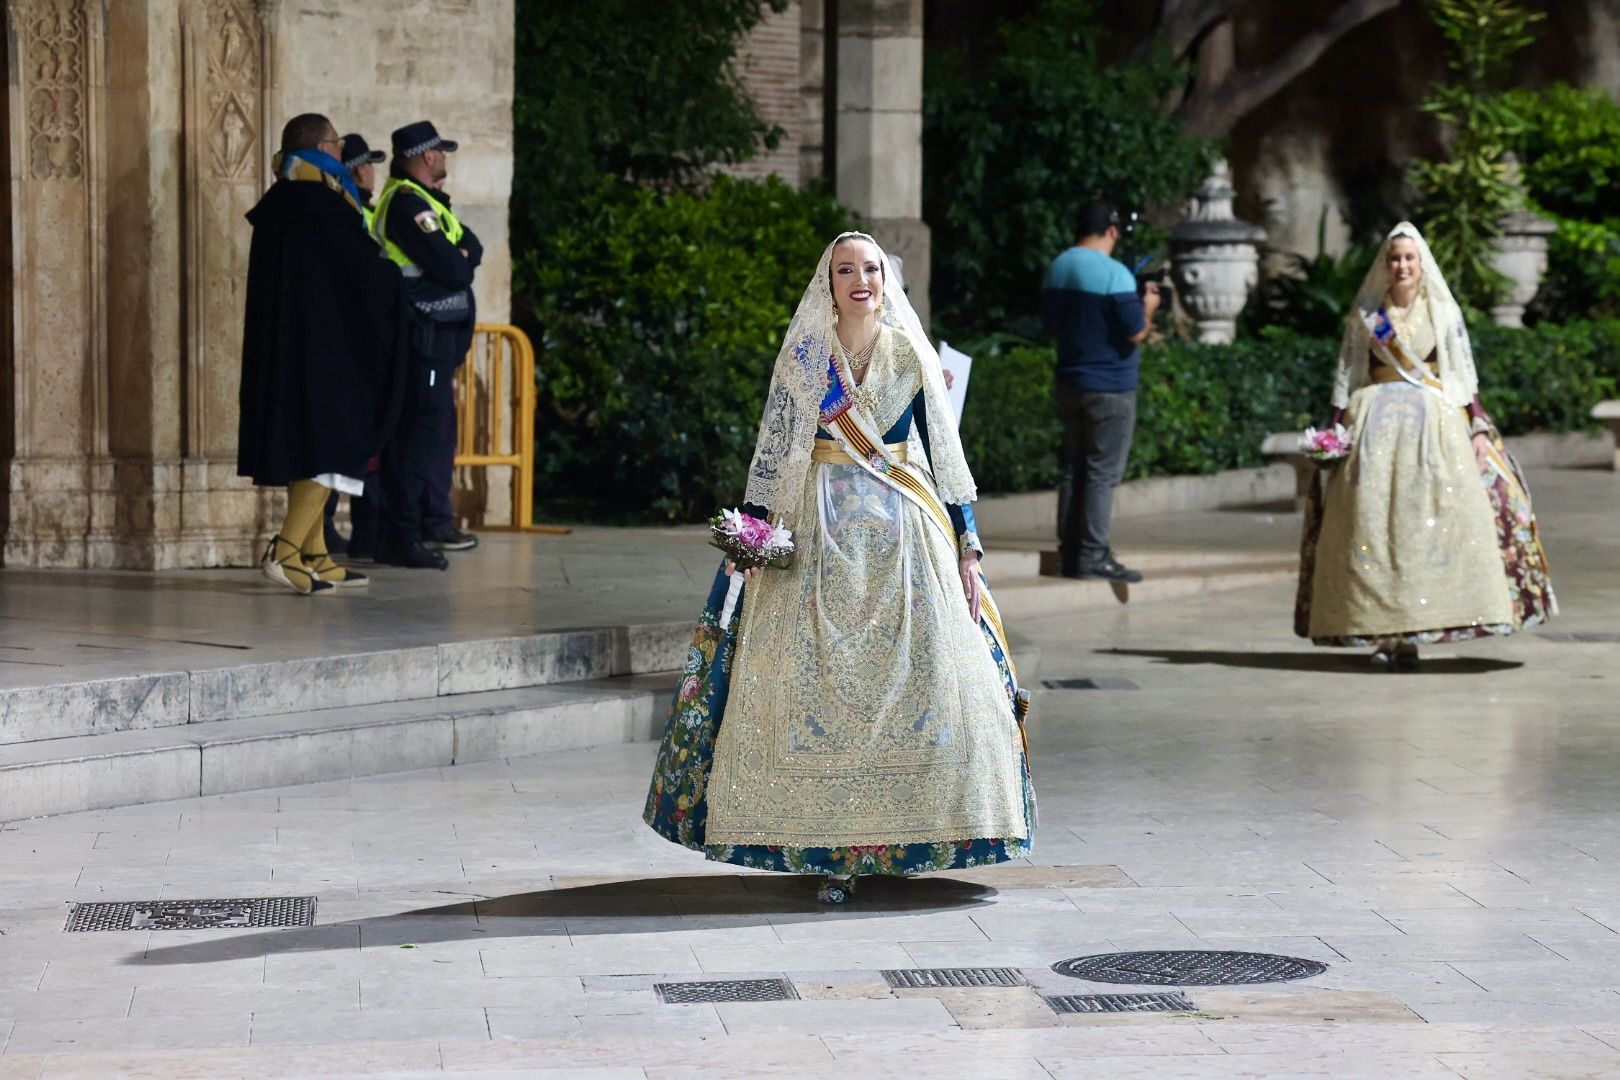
x: 53, y: 72
x: 224, y: 95
x: 232, y: 49
x: 1215, y: 258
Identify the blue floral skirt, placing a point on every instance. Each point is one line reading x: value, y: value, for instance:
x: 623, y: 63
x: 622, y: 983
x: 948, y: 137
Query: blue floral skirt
x: 677, y: 810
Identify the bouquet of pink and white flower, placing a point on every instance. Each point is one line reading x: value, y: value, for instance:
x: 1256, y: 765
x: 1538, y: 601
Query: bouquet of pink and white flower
x: 748, y: 542
x: 1326, y: 446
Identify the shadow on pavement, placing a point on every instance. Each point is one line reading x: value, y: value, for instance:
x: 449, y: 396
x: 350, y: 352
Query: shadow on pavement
x: 629, y: 906
x: 1348, y: 662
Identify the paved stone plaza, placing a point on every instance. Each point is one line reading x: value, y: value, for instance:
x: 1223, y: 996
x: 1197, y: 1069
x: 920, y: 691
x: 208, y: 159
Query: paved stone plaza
x: 1447, y: 843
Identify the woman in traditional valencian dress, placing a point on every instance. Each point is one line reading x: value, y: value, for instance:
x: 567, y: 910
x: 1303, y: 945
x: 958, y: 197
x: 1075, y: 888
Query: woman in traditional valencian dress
x: 1424, y: 533
x: 859, y: 714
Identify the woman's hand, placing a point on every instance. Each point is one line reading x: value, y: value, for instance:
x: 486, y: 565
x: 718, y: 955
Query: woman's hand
x: 1482, y: 450
x: 748, y: 575
x: 970, y: 582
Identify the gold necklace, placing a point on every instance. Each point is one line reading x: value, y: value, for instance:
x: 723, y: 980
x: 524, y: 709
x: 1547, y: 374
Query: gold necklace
x: 858, y: 361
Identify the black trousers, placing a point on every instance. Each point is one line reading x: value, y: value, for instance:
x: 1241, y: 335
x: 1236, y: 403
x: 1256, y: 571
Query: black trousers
x: 414, y: 461
x: 1097, y: 429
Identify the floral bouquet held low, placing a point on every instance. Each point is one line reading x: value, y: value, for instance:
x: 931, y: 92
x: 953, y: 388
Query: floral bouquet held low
x: 748, y: 542
x: 1325, y: 447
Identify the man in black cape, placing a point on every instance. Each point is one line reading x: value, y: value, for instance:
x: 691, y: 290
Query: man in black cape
x: 322, y: 349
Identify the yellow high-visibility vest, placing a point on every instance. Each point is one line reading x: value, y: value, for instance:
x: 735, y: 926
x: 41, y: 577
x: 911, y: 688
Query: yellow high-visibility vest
x: 379, y: 219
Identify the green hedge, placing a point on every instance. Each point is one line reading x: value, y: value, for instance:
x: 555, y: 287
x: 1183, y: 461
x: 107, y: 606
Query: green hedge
x: 658, y: 317
x: 1204, y: 408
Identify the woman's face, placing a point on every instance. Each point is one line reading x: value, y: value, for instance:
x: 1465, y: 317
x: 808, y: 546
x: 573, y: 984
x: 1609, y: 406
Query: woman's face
x: 857, y: 278
x: 1405, y: 267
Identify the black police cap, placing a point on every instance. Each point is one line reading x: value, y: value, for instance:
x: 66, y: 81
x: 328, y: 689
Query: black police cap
x: 419, y: 138
x: 358, y: 152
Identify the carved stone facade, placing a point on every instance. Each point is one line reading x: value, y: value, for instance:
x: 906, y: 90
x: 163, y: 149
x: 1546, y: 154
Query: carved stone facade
x: 140, y: 132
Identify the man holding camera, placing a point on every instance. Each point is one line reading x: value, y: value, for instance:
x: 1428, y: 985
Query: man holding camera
x: 1090, y: 304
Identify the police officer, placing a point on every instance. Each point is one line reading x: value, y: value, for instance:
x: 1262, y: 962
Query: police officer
x: 365, y: 511
x: 362, y: 161
x: 438, y: 256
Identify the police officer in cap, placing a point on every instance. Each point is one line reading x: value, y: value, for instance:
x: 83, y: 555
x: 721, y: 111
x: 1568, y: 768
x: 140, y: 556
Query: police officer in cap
x: 362, y: 161
x: 437, y: 255
x: 365, y: 511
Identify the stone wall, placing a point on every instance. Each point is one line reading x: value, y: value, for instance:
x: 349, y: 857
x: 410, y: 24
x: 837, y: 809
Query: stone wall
x: 768, y: 65
x: 139, y: 133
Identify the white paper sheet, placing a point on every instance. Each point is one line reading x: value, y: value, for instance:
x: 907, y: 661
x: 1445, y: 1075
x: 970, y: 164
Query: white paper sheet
x: 958, y: 365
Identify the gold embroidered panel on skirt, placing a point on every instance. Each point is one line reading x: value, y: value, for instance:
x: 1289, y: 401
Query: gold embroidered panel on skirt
x: 1408, y: 537
x: 865, y: 707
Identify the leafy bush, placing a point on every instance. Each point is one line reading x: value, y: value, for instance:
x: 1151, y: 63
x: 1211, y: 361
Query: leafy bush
x: 661, y: 315
x: 1010, y: 154
x: 1464, y: 193
x: 1204, y: 408
x: 1569, y: 150
x: 1010, y: 430
x: 643, y: 90
x: 1546, y: 378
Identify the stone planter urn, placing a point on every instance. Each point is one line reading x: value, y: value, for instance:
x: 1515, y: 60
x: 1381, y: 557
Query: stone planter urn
x: 1520, y: 256
x: 1215, y: 258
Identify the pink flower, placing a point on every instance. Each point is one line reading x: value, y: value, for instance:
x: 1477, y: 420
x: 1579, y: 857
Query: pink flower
x: 755, y: 532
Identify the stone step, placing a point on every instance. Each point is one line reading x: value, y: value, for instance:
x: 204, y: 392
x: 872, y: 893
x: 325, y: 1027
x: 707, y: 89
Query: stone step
x: 58, y: 776
x: 159, y: 699
x: 1030, y: 597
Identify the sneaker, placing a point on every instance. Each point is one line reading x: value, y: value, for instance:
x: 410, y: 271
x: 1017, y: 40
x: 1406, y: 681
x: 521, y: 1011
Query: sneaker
x: 450, y: 539
x: 1110, y: 570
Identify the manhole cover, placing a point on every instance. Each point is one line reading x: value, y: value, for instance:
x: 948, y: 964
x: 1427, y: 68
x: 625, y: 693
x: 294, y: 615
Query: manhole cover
x: 1189, y: 968
x: 912, y: 978
x: 1094, y: 682
x: 1120, y: 1003
x: 693, y: 993
x: 194, y: 914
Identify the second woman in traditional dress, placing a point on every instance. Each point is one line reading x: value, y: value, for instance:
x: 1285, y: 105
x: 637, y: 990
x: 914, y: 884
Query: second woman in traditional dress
x: 1424, y: 533
x: 859, y: 714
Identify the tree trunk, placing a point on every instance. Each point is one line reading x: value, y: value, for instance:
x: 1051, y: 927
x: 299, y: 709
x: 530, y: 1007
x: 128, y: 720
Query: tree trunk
x: 1218, y: 102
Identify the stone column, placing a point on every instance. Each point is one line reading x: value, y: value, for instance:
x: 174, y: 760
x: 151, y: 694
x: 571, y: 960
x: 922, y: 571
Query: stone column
x: 879, y: 121
x: 58, y: 388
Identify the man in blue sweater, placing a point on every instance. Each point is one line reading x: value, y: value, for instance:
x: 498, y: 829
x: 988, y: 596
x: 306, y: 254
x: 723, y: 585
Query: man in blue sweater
x: 1091, y: 306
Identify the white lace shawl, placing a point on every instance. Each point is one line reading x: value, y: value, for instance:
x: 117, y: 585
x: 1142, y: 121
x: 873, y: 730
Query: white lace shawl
x: 1456, y: 354
x: 787, y: 432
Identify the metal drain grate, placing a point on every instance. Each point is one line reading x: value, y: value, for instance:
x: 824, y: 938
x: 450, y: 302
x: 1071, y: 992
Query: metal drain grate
x: 267, y: 911
x: 1575, y: 637
x: 1120, y: 1003
x: 919, y: 978
x: 1189, y: 968
x: 694, y: 993
x: 1094, y: 682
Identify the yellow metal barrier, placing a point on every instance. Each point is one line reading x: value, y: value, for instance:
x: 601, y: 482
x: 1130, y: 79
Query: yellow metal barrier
x: 495, y: 413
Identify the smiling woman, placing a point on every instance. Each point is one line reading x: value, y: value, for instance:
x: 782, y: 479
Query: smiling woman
x: 860, y: 713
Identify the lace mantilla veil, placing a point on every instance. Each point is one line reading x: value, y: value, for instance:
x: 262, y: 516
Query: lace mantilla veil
x: 1456, y: 354
x: 787, y: 432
